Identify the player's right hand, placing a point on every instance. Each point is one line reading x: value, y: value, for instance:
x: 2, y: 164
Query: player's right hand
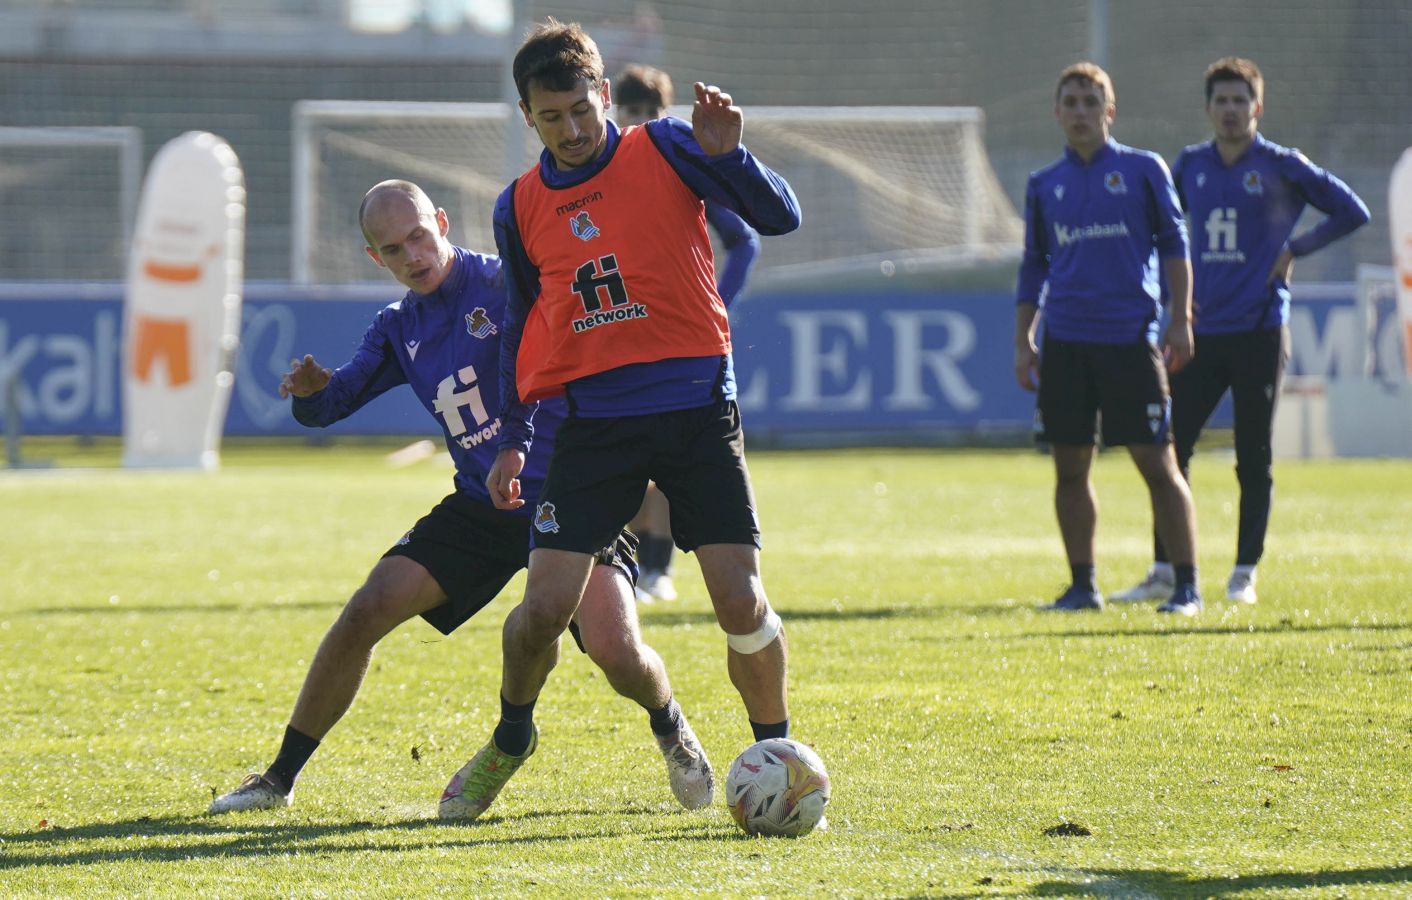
x: 1027, y: 366
x: 304, y: 377
x: 503, y: 480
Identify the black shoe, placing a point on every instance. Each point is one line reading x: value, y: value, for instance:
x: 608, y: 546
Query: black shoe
x: 1076, y: 598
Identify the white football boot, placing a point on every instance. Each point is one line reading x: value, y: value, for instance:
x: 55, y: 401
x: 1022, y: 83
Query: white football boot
x: 1241, y: 587
x: 658, y: 585
x: 688, y: 769
x: 255, y: 792
x: 1157, y: 584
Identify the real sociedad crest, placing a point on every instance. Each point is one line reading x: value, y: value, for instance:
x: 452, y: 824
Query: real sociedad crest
x: 1113, y: 181
x: 544, y: 518
x: 583, y: 226
x: 1252, y: 183
x: 479, y: 324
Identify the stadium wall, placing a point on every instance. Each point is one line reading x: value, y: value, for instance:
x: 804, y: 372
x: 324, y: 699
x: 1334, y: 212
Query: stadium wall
x: 855, y: 366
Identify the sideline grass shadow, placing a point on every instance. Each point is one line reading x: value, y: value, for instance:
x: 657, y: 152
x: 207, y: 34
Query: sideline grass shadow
x: 187, y: 837
x: 1167, y: 883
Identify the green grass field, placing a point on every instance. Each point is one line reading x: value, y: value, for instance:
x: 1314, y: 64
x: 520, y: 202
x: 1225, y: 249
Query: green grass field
x: 155, y: 627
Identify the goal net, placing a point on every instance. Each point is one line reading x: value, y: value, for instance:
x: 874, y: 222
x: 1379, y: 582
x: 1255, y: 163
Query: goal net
x: 875, y: 183
x: 75, y: 189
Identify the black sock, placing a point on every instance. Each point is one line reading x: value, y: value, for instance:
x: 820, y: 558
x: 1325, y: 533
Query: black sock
x: 516, y: 728
x: 667, y: 720
x: 294, y: 752
x: 1185, y: 574
x: 765, y: 732
x: 655, y: 552
x: 1084, y: 575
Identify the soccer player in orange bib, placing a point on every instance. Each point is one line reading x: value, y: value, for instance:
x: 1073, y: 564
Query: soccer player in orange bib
x: 613, y: 304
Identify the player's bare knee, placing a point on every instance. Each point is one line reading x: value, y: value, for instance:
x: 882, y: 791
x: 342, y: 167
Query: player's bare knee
x: 765, y: 627
x: 617, y: 657
x: 373, y: 610
x: 544, y: 617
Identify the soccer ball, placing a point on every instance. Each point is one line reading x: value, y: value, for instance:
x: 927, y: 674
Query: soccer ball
x: 777, y: 787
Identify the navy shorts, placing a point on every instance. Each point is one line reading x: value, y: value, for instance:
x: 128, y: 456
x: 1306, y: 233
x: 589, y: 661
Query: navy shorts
x: 473, y: 550
x: 1125, y: 383
x: 600, y: 469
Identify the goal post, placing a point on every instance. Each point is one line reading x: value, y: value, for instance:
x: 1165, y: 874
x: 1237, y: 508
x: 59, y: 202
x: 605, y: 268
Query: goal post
x: 86, y: 179
x: 875, y: 184
x: 459, y: 152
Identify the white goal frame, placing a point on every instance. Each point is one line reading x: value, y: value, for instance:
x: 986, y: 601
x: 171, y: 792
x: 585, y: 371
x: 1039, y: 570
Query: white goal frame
x: 125, y: 139
x: 972, y: 207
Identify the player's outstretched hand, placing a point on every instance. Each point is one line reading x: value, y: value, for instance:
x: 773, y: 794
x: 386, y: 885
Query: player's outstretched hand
x: 503, y: 481
x: 1179, y: 346
x: 716, y: 123
x: 304, y: 377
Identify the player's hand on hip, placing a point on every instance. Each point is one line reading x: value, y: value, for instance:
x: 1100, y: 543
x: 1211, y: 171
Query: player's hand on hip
x: 1027, y: 366
x: 503, y: 481
x: 1283, y: 269
x: 304, y: 377
x: 716, y: 122
x: 1179, y: 346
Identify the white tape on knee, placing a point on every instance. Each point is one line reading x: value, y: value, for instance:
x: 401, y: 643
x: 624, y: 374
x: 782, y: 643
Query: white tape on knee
x: 758, y: 639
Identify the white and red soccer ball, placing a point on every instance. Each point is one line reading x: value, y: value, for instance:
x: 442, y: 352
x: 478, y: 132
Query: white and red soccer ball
x: 777, y: 787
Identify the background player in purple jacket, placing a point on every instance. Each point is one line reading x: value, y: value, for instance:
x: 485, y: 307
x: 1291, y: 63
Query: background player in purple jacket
x: 641, y: 94
x: 1243, y: 196
x: 1102, y: 225
x: 442, y: 340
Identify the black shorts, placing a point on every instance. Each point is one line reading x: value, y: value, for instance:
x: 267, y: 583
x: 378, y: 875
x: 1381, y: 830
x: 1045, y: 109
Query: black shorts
x: 473, y: 550
x: 1127, y: 383
x: 600, y: 469
x: 1251, y: 365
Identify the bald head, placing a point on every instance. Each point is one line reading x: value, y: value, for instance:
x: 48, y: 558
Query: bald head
x: 406, y: 234
x: 386, y: 194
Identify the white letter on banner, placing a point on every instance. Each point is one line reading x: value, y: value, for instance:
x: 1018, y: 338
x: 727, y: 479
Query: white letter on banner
x: 12, y: 365
x: 810, y: 362
x: 65, y: 392
x: 1338, y: 352
x: 105, y: 366
x: 909, y: 359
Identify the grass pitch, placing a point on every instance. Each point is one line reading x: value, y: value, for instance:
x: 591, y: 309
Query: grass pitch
x: 155, y: 628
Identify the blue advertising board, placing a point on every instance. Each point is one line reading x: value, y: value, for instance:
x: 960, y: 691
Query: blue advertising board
x: 852, y: 366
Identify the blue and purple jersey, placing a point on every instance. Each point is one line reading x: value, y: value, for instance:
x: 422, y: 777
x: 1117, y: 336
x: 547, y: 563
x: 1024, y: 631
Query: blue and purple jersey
x: 446, y: 345
x: 1095, y: 235
x: 736, y: 183
x: 1242, y: 217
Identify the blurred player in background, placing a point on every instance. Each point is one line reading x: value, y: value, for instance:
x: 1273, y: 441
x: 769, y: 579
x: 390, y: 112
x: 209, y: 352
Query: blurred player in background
x: 613, y: 303
x: 641, y: 94
x: 441, y: 338
x: 1243, y: 196
x: 1102, y: 225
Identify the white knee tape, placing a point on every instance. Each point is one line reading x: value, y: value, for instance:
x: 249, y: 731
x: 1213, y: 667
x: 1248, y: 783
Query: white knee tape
x: 758, y: 639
